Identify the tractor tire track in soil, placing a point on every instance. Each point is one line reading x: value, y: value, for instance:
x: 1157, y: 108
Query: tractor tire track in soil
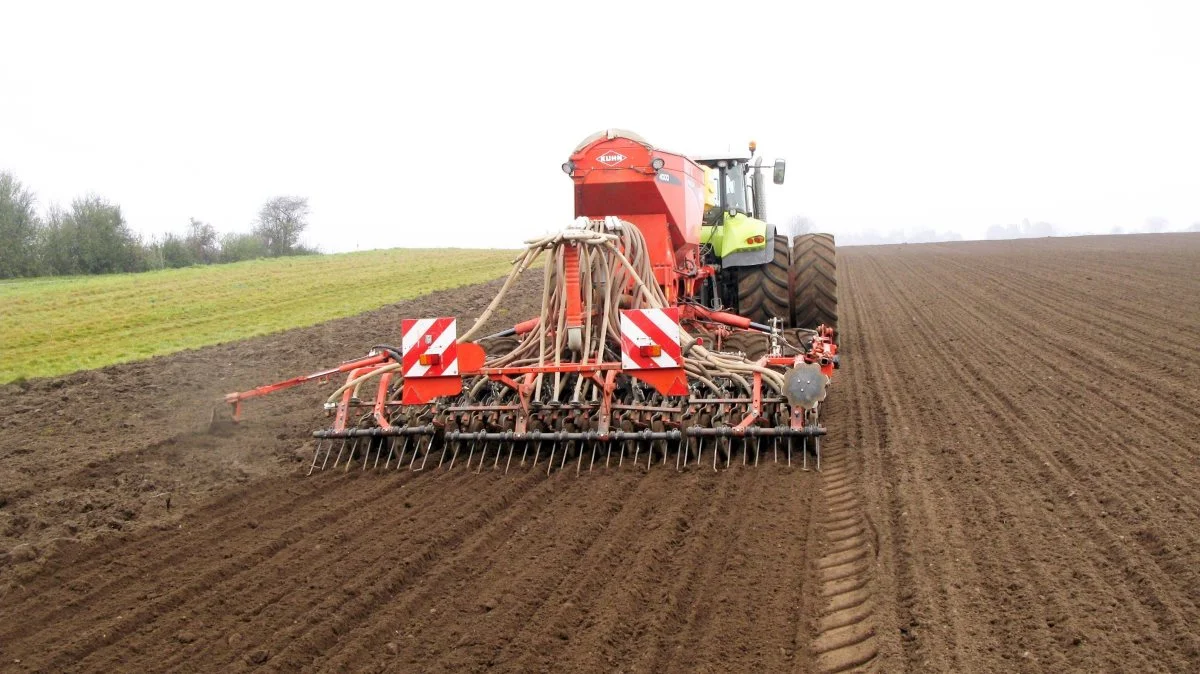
x: 1008, y: 484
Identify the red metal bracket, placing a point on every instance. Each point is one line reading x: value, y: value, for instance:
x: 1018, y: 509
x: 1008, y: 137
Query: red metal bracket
x: 381, y: 395
x: 236, y: 399
x: 667, y: 381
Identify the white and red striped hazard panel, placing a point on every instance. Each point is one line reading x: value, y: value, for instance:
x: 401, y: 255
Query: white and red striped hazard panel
x: 650, y: 339
x: 428, y: 346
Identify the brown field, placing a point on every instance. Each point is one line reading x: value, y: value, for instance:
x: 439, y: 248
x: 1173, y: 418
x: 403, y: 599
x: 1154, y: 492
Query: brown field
x: 1010, y: 484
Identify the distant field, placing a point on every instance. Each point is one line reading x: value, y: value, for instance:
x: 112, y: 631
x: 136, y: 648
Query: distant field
x: 59, y: 325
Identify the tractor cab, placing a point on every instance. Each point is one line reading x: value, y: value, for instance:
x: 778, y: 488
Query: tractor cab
x: 736, y: 181
x: 726, y: 178
x: 735, y: 217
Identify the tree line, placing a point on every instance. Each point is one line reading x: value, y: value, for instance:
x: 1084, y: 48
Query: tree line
x: 92, y: 237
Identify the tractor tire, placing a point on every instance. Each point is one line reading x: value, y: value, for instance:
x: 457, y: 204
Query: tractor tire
x: 814, y: 281
x: 753, y: 345
x: 500, y: 346
x: 763, y: 290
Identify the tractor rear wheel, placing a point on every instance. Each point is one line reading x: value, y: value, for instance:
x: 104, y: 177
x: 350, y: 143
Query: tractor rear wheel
x: 763, y: 290
x: 814, y: 281
x: 754, y: 345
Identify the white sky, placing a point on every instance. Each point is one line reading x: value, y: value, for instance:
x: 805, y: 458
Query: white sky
x: 433, y: 124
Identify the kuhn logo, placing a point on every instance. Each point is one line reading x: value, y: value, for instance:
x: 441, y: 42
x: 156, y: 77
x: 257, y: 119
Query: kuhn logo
x: 611, y: 158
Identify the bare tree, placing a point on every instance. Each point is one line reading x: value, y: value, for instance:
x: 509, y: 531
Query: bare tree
x: 280, y: 223
x: 202, y: 242
x: 797, y: 225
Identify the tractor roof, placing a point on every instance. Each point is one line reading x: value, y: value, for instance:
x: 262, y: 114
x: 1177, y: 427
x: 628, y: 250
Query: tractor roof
x: 712, y: 158
x: 610, y: 134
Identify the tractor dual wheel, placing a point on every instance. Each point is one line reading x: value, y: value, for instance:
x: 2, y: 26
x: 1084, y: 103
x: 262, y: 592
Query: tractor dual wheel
x: 763, y: 289
x: 814, y: 281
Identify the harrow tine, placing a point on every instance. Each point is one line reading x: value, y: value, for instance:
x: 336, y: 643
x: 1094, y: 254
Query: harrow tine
x: 637, y: 451
x: 700, y: 450
x: 789, y: 451
x: 593, y: 462
x: 775, y: 446
x: 391, y: 450
x: 403, y: 449
x: 682, y: 450
x: 499, y: 449
x: 511, y: 446
x: 316, y: 454
x: 379, y: 454
x: 537, y: 453
x: 482, y: 456
x: 550, y: 463
x: 524, y: 453
x: 350, y: 458
x: 649, y: 455
x: 578, y: 464
x: 728, y: 452
x: 470, y: 456
x: 366, y: 454
x: 328, y: 451
x: 817, y: 446
x: 412, y: 462
x: 428, y: 451
x: 562, y: 463
x: 745, y: 450
x: 453, y: 458
x: 339, y: 456
x: 804, y: 454
x: 757, y: 449
x: 716, y: 452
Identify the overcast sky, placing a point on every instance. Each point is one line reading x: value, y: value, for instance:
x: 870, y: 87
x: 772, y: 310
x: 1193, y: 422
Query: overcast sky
x: 433, y: 124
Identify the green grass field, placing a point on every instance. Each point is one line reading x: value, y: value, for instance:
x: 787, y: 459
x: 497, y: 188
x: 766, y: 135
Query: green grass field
x: 58, y: 325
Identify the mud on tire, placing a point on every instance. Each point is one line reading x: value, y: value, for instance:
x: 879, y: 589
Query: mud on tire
x: 763, y: 290
x: 814, y: 281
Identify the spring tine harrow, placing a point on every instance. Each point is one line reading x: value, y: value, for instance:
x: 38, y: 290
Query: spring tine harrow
x: 690, y: 446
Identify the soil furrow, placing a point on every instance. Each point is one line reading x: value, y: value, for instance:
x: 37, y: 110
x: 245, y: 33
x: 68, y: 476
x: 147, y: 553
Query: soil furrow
x: 1007, y: 485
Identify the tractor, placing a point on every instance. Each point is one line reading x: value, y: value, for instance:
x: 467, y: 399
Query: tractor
x: 676, y: 326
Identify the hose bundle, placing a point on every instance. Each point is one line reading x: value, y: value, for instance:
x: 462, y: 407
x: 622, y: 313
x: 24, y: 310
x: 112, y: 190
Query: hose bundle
x: 613, y: 258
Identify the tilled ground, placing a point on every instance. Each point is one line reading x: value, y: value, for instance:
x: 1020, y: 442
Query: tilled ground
x: 1008, y: 485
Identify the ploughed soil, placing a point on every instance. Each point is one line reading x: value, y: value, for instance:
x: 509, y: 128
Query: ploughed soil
x: 1008, y: 484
